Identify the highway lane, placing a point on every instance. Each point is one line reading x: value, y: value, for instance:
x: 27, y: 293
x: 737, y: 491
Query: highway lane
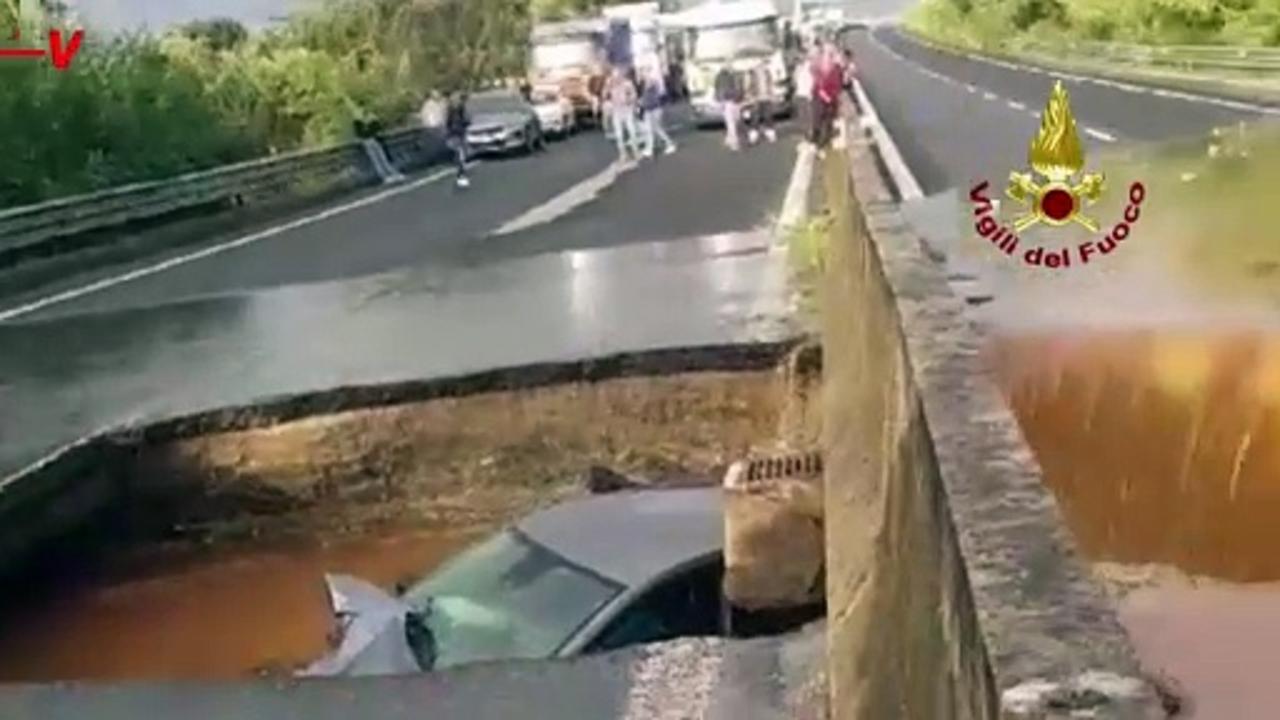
x: 658, y: 258
x: 957, y: 119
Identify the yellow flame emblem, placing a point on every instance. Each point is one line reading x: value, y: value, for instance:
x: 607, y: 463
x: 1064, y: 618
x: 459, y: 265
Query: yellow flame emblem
x: 1055, y: 154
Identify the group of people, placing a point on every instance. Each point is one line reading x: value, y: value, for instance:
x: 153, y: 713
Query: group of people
x: 821, y: 81
x: 633, y: 105
x: 746, y: 96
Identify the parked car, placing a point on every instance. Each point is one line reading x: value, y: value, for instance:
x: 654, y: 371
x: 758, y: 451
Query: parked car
x: 556, y: 113
x: 585, y: 576
x: 502, y: 121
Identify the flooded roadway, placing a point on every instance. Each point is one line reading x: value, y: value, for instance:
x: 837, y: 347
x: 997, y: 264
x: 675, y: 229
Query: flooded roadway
x: 209, y: 617
x: 1162, y: 450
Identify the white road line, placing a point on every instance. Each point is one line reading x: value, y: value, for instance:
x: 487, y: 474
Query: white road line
x: 1017, y: 105
x: 990, y: 96
x: 795, y: 206
x: 1098, y: 134
x: 970, y: 88
x: 908, y: 187
x: 564, y: 203
x: 1105, y: 82
x: 106, y: 283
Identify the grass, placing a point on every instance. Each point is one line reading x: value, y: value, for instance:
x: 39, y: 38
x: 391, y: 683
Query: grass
x: 807, y: 246
x: 1023, y: 29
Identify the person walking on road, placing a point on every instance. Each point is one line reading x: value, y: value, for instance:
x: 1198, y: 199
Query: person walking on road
x: 651, y: 99
x: 729, y: 94
x: 760, y: 84
x: 804, y: 93
x: 828, y: 86
x: 457, y: 120
x: 620, y: 93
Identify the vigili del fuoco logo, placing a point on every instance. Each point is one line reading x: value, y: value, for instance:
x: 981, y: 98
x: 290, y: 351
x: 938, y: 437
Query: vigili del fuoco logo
x: 1055, y: 195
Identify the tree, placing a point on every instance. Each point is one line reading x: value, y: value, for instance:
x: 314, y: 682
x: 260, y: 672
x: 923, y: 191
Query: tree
x: 217, y: 33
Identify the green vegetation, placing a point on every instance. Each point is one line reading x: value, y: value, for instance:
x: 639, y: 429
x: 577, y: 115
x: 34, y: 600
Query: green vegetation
x: 144, y: 107
x: 996, y: 24
x: 807, y: 247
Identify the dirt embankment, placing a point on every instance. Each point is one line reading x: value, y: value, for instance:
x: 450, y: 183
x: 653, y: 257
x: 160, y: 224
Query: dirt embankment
x: 463, y: 462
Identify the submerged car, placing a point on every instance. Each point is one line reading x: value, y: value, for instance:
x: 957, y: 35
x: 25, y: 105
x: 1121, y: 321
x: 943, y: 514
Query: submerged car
x: 585, y: 576
x: 556, y: 113
x: 503, y: 121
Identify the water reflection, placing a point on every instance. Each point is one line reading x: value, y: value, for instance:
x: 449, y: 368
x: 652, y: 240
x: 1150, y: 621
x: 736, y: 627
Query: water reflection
x: 1161, y: 446
x: 218, y: 616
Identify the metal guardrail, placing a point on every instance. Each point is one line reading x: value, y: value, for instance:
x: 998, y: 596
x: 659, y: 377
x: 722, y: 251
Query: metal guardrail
x: 1185, y: 57
x: 24, y: 229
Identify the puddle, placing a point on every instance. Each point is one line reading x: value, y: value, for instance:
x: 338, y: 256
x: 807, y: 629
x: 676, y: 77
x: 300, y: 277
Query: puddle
x: 1220, y: 643
x: 211, y: 617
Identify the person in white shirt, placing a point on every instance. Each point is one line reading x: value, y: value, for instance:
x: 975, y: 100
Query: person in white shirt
x: 433, y: 111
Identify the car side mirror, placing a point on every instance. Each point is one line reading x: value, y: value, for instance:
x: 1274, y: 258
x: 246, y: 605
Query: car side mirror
x: 421, y: 641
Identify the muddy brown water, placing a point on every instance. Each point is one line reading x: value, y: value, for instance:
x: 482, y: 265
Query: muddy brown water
x: 1160, y: 446
x: 252, y: 519
x: 220, y: 615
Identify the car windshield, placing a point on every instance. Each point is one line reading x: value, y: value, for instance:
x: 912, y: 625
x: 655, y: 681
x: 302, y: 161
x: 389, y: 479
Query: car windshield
x: 496, y: 103
x: 719, y: 43
x: 507, y: 598
x: 564, y: 54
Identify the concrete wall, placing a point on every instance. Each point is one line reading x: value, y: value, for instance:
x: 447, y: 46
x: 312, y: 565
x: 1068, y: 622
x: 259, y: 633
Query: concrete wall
x: 954, y: 590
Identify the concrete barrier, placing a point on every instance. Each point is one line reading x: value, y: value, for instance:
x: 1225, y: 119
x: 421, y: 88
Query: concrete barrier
x: 953, y: 588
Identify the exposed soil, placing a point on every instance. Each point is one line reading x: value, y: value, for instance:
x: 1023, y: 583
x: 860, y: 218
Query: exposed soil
x: 216, y: 569
x: 451, y: 462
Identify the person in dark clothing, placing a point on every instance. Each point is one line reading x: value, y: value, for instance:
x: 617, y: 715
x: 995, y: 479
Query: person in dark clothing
x: 729, y: 94
x: 457, y: 120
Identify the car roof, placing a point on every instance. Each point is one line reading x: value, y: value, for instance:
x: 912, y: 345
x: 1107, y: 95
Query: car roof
x: 633, y: 537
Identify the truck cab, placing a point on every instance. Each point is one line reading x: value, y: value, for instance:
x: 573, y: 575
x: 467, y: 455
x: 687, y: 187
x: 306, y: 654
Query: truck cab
x: 740, y: 35
x: 567, y: 58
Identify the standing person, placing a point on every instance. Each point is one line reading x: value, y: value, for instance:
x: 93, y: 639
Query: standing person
x: 804, y: 92
x: 850, y: 74
x: 760, y: 98
x: 729, y: 95
x: 433, y: 111
x: 651, y: 99
x: 621, y: 96
x: 457, y: 120
x: 828, y: 85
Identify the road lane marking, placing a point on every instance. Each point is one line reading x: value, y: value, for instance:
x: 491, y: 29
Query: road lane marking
x: 1098, y: 134
x: 1017, y: 105
x: 908, y: 186
x: 795, y: 206
x: 566, y: 202
x: 970, y: 88
x: 989, y: 96
x: 1104, y: 82
x: 110, y: 282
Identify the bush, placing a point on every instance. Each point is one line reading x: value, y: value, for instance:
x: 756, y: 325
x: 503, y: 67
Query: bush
x: 142, y: 108
x: 993, y: 23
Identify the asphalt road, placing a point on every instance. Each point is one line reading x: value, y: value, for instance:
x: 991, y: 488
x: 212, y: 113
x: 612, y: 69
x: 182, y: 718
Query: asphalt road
x: 417, y: 285
x: 957, y: 120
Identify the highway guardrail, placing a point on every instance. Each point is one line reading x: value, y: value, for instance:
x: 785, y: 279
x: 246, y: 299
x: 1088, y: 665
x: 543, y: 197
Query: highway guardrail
x: 24, y: 230
x: 1185, y: 57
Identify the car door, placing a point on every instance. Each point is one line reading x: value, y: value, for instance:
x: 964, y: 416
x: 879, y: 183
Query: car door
x: 688, y: 603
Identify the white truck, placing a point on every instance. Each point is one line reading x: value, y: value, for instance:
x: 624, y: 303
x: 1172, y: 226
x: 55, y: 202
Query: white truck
x: 648, y: 41
x: 740, y: 35
x: 567, y: 59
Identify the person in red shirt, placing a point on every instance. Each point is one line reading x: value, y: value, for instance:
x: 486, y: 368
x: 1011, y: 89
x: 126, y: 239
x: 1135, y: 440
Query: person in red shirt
x: 828, y: 83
